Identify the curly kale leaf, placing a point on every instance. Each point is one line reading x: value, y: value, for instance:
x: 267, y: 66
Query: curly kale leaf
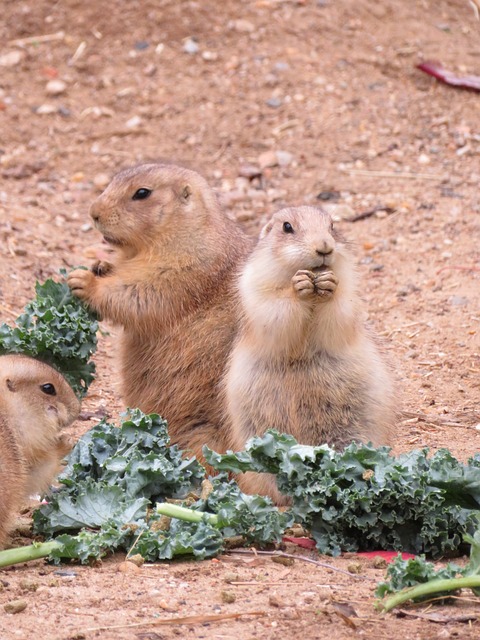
x: 136, y: 457
x: 251, y: 516
x: 402, y: 574
x: 115, y: 474
x: 57, y: 328
x: 365, y: 498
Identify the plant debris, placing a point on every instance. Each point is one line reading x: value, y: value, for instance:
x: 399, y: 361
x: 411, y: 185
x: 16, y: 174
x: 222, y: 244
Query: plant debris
x: 436, y: 70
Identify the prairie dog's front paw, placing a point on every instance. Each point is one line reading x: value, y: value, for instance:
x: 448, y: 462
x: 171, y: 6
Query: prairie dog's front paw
x: 325, y: 284
x: 102, y: 268
x: 82, y: 283
x: 64, y: 445
x: 303, y: 284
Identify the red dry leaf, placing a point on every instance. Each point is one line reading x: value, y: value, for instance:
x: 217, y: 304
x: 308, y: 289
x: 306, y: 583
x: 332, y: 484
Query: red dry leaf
x: 436, y: 70
x: 306, y: 543
x: 389, y: 556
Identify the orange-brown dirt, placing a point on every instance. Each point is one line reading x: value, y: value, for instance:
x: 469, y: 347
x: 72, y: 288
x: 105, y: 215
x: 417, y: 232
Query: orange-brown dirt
x: 275, y: 102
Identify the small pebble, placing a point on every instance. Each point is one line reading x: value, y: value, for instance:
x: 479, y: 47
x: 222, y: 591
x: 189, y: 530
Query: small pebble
x: 379, y: 562
x: 137, y: 559
x: 274, y: 103
x: 284, y: 158
x: 15, y: 606
x: 228, y: 597
x: 287, y: 562
x: 133, y: 122
x: 190, y: 46
x: 55, y: 87
x: 338, y: 211
x: 100, y: 181
x: 458, y: 301
x: 267, y: 159
x: 328, y: 195
x: 243, y: 26
x: 210, y: 56
x: 11, y: 59
x: 231, y: 577
x: 275, y: 601
x: 46, y: 109
x: 27, y: 585
x: 355, y: 567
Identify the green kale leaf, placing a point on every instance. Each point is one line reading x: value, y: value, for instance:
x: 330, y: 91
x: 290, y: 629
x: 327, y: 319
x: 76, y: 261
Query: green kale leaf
x: 116, y: 474
x: 409, y: 573
x: 58, y: 329
x: 365, y: 498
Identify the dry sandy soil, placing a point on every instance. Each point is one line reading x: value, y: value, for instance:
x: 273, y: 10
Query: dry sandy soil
x: 325, y: 100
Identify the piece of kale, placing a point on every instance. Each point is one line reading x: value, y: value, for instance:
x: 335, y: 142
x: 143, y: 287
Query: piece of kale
x: 365, y: 498
x: 58, y: 329
x: 114, y: 477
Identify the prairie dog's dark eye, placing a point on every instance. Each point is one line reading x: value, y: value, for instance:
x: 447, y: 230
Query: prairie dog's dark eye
x: 287, y: 227
x: 49, y: 389
x: 141, y: 194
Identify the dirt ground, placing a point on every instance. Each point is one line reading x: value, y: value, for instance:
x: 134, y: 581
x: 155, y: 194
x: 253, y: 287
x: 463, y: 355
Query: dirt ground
x: 323, y: 98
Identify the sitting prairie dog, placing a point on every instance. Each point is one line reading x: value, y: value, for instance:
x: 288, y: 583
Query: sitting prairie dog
x: 304, y: 362
x: 170, y: 285
x: 36, y: 402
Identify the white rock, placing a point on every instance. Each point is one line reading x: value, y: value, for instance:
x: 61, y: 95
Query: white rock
x: 101, y: 180
x: 338, y: 211
x: 134, y: 122
x: 11, y: 59
x: 284, y: 158
x: 243, y: 26
x: 190, y: 46
x: 210, y: 56
x: 55, y: 87
x: 46, y: 109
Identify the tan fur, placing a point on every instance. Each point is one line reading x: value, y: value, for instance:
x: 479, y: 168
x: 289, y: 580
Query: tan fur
x: 170, y: 287
x: 304, y: 362
x: 31, y: 446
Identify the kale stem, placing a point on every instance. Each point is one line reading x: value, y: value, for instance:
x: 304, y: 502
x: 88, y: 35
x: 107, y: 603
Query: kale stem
x: 25, y: 554
x: 430, y: 588
x: 182, y: 513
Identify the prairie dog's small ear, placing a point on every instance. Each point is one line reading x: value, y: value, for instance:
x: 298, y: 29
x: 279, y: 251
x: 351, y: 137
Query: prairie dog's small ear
x: 186, y: 193
x: 266, y: 229
x: 10, y: 385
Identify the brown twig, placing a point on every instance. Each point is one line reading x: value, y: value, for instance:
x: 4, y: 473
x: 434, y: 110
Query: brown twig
x: 49, y: 37
x: 216, y: 156
x: 392, y: 174
x: 282, y: 554
x: 371, y: 212
x: 473, y: 267
x: 201, y: 619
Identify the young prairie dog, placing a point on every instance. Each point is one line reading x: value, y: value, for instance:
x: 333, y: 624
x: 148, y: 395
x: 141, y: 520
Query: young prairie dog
x: 170, y: 286
x: 304, y: 362
x: 36, y: 402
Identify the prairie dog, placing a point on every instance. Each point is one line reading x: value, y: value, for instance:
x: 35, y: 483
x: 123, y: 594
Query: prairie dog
x: 304, y: 362
x: 171, y: 287
x: 36, y: 402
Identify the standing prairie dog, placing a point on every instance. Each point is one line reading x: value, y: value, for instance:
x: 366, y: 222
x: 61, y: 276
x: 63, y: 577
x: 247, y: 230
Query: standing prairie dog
x: 171, y: 287
x: 304, y: 363
x: 36, y: 402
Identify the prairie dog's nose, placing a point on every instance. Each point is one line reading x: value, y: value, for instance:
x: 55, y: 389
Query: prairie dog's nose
x: 325, y: 247
x: 94, y: 212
